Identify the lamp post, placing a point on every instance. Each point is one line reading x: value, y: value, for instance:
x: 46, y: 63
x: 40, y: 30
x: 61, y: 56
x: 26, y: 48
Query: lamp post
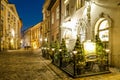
x: 47, y: 55
x: 60, y: 50
x: 53, y: 49
x: 107, y: 56
x: 74, y: 59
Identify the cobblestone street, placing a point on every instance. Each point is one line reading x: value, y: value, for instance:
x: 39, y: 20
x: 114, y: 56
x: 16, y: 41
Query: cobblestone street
x: 29, y: 65
x: 25, y: 65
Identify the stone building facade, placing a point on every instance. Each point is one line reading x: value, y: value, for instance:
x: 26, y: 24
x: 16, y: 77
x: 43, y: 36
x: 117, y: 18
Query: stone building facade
x: 32, y: 36
x: 10, y: 26
x: 105, y: 21
x: 55, y: 20
x: 45, y: 29
x: 86, y: 19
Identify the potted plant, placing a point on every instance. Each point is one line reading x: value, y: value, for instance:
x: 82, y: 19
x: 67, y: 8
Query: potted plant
x: 79, y: 57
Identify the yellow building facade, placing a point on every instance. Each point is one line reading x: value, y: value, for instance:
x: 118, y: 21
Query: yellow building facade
x: 10, y: 27
x: 32, y: 36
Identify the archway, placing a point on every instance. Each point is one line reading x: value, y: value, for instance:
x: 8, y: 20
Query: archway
x: 102, y: 30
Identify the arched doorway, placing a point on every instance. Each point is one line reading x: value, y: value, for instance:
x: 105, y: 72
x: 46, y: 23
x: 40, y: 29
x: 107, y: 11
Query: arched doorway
x: 102, y: 29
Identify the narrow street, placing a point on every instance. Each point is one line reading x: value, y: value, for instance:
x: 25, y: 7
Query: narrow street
x: 25, y: 65
x: 30, y: 65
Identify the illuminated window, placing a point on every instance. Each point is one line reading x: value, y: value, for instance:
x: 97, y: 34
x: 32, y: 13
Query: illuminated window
x: 103, y: 31
x: 57, y: 12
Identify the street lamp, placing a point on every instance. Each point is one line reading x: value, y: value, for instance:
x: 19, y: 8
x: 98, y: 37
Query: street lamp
x: 74, y: 58
x: 107, y: 56
x: 60, y: 50
x: 53, y: 49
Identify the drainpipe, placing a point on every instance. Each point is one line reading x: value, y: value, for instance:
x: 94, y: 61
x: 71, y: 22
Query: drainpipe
x: 89, y: 33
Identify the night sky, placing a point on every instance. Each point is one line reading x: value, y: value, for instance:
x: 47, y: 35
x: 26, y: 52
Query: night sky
x: 30, y: 11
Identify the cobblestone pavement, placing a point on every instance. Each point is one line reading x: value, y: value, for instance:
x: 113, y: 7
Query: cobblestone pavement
x: 25, y: 65
x: 29, y: 65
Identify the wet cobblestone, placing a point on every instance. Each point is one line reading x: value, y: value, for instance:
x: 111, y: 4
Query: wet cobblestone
x: 25, y: 65
x: 30, y: 65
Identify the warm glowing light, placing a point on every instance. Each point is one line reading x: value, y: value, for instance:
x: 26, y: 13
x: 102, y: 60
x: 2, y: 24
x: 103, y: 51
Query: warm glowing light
x: 34, y: 45
x: 74, y: 52
x: 40, y: 39
x: 104, y: 24
x: 103, y: 30
x: 89, y: 47
x: 13, y: 32
x: 65, y: 1
x: 46, y: 39
x: 21, y: 41
x: 45, y: 48
x: 53, y: 49
x: 60, y: 50
x: 12, y: 41
x: 104, y: 35
x: 107, y: 50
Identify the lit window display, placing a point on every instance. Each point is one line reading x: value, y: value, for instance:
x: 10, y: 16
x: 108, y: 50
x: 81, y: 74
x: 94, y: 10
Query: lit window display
x: 103, y: 31
x: 104, y: 35
x: 89, y: 48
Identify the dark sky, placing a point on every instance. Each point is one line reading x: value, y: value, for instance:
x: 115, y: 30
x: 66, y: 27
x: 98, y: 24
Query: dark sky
x: 30, y: 11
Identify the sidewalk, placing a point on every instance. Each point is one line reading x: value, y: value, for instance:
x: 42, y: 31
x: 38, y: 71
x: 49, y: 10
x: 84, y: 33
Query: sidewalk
x: 114, y: 75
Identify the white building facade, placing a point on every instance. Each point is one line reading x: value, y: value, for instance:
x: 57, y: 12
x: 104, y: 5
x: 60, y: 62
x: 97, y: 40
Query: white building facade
x: 88, y: 18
